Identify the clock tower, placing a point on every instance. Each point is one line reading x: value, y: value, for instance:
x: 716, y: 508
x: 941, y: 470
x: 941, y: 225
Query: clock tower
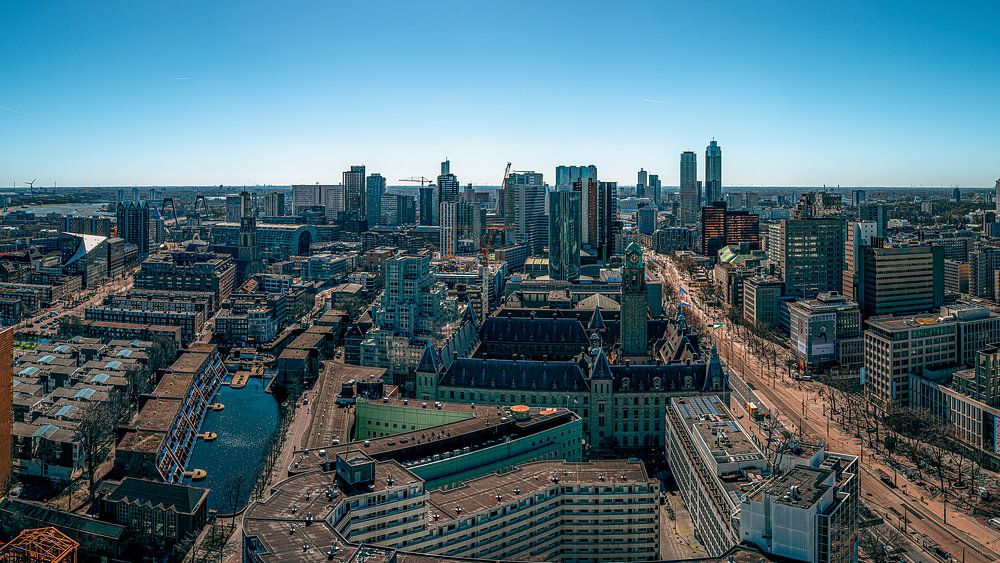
x: 633, y: 337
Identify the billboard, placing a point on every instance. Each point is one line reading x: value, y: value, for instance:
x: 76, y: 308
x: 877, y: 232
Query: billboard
x: 822, y: 335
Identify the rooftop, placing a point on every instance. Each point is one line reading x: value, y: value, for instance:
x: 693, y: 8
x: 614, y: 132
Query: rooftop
x: 802, y: 486
x: 528, y: 479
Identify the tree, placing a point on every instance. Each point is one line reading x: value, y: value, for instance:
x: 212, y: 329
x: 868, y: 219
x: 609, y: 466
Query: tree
x: 881, y: 543
x: 95, y: 434
x: 233, y: 490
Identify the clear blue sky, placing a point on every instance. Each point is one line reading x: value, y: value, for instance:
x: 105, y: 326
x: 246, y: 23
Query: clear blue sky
x: 797, y: 93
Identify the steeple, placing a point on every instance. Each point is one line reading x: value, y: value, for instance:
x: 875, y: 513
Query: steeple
x: 680, y: 321
x: 596, y: 321
x: 600, y: 368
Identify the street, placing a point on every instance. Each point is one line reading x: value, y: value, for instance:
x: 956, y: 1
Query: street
x: 799, y: 406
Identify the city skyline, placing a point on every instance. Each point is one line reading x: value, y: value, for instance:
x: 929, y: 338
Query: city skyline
x: 251, y: 94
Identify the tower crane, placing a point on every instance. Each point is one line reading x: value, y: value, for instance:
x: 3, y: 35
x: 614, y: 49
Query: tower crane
x: 418, y: 179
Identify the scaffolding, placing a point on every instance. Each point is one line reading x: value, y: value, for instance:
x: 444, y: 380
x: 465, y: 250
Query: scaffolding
x: 40, y: 545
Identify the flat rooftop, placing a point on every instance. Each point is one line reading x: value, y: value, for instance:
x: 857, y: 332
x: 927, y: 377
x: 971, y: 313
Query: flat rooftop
x: 490, y: 425
x: 192, y: 359
x: 157, y: 415
x: 709, y: 418
x: 173, y: 386
x: 802, y: 486
x: 527, y: 480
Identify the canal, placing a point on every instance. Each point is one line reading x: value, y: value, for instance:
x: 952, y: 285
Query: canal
x: 244, y: 430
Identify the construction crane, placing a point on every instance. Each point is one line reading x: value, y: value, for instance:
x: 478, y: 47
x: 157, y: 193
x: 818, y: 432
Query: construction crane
x: 418, y: 179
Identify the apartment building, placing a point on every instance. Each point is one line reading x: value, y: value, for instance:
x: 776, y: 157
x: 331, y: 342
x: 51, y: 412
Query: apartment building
x: 551, y: 510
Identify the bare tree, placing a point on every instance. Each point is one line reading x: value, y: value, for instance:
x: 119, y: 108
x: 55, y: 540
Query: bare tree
x: 233, y: 490
x: 881, y: 543
x: 95, y: 434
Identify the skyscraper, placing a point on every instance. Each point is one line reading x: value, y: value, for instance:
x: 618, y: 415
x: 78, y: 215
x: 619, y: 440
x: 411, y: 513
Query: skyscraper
x: 996, y: 194
x: 900, y: 280
x: 428, y: 205
x: 233, y: 208
x: 273, y: 204
x: 133, y: 224
x: 634, y: 340
x: 956, y: 195
x: 564, y: 235
x: 859, y: 235
x: 374, y: 189
x: 462, y: 225
x: 713, y: 173
x: 567, y: 175
x: 641, y: 182
x: 653, y: 191
x: 690, y: 193
x: 524, y: 209
x: 354, y: 192
x: 809, y: 253
x: 448, y: 188
x: 721, y: 227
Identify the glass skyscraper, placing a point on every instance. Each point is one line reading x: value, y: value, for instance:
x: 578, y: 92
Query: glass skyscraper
x: 374, y: 190
x: 690, y: 192
x: 713, y: 173
x: 564, y: 235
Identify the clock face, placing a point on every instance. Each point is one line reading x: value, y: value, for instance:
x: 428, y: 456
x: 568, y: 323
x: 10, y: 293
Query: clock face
x: 633, y: 257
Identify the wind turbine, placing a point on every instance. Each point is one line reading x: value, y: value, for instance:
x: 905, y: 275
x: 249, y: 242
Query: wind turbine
x: 31, y: 184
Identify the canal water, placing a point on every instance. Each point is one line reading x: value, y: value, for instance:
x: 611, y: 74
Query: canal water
x: 244, y: 428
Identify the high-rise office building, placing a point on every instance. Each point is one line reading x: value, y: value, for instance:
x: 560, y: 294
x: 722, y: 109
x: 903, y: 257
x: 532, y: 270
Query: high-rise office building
x: 133, y: 224
x: 721, y: 227
x: 996, y: 195
x: 859, y: 235
x: 900, y: 280
x: 273, y: 204
x: 564, y: 235
x: 690, y: 191
x: 809, y: 253
x: 428, y: 205
x: 397, y: 209
x: 374, y: 190
x: 713, y: 173
x: 956, y: 195
x: 609, y: 226
x: 814, y: 205
x: 524, y: 209
x: 634, y: 339
x: 599, y: 226
x: 354, y: 192
x: 895, y: 348
x: 566, y: 176
x: 448, y: 188
x: 858, y: 197
x: 329, y: 197
x: 653, y: 191
x: 877, y: 213
x: 233, y: 207
x: 646, y: 219
x: 462, y: 225
x: 642, y: 181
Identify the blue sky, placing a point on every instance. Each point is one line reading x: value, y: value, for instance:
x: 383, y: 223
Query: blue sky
x: 797, y: 93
